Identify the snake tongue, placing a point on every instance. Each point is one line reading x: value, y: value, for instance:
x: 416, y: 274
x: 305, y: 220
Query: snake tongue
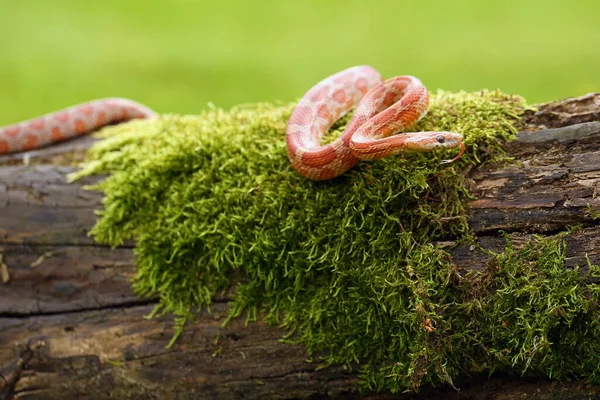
x: 462, y: 151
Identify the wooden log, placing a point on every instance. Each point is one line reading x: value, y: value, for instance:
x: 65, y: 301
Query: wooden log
x: 70, y: 326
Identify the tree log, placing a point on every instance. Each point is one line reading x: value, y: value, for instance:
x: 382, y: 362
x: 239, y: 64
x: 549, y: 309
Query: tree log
x: 70, y: 326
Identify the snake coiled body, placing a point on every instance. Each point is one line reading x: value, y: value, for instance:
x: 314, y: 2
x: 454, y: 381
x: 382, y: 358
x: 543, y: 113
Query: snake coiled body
x: 383, y: 108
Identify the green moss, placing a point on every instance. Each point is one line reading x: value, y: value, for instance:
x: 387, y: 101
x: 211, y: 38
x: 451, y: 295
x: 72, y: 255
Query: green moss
x: 535, y: 316
x: 595, y: 214
x: 347, y: 265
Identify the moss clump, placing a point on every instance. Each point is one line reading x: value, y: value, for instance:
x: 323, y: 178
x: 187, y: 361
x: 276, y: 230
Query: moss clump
x: 535, y: 316
x: 348, y: 265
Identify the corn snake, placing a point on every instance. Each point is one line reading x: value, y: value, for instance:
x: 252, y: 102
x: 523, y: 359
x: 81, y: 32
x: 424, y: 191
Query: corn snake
x: 382, y: 109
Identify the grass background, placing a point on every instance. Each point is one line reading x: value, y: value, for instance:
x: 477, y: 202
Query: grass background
x: 178, y: 55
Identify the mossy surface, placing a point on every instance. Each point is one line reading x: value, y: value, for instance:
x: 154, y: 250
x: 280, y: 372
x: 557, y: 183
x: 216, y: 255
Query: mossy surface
x: 347, y: 265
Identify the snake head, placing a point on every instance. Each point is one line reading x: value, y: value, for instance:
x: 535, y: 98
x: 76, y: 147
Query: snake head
x: 428, y: 141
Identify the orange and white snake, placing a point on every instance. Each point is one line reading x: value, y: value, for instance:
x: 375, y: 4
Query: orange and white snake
x: 382, y: 109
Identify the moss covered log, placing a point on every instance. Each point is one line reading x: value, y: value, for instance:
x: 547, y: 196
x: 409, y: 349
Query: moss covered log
x: 348, y: 266
x: 397, y: 270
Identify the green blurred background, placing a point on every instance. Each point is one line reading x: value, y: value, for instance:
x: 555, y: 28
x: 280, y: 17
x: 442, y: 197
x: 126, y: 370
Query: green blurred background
x: 178, y: 55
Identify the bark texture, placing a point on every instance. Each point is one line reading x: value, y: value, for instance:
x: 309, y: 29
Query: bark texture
x: 71, y: 328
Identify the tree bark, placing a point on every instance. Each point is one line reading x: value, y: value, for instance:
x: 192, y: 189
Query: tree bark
x: 70, y: 326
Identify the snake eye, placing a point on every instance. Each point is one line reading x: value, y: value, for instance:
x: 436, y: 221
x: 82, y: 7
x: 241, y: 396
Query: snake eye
x: 440, y: 139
